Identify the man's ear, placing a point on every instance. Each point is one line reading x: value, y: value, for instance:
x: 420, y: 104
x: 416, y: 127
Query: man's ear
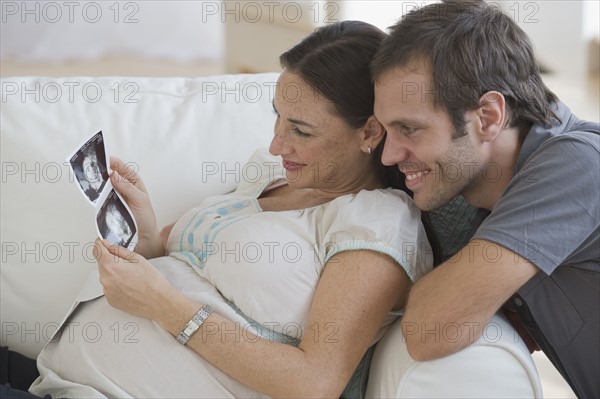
x: 491, y: 115
x: 373, y: 133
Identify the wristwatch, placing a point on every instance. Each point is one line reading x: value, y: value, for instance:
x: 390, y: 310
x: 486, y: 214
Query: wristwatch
x: 193, y: 325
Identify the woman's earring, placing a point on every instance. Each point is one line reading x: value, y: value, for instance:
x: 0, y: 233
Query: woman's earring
x: 369, y: 150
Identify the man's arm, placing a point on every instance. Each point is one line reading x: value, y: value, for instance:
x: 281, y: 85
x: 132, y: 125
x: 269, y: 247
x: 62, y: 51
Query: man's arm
x: 448, y: 309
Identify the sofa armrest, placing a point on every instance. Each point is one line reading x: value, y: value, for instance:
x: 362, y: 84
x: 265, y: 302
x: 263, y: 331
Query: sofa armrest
x: 497, y: 365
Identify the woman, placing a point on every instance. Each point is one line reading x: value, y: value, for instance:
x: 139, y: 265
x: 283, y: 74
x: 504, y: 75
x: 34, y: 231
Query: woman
x: 277, y: 289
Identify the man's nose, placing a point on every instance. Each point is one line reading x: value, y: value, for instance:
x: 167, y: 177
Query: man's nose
x: 394, y: 151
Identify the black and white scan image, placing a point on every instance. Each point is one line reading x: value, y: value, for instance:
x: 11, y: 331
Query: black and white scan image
x: 115, y: 222
x: 89, y: 167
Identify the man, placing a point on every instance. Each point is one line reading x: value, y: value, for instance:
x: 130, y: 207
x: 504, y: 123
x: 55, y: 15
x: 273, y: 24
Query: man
x: 466, y: 112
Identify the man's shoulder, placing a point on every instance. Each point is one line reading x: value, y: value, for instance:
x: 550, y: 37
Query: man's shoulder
x: 566, y: 130
x: 579, y: 144
x: 590, y: 138
x: 575, y: 137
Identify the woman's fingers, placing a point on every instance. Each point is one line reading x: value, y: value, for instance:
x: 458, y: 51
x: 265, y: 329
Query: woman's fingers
x: 100, y: 250
x: 127, y: 172
x: 134, y: 195
x: 104, y: 252
x: 121, y: 252
x: 127, y: 182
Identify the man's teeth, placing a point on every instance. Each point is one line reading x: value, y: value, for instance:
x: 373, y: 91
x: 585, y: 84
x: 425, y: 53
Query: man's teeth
x: 412, y: 176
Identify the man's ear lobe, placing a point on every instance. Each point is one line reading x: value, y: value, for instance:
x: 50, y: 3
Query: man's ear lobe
x: 492, y: 114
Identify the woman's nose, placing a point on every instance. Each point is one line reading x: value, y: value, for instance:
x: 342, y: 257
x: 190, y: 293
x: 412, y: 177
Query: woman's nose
x: 279, y: 144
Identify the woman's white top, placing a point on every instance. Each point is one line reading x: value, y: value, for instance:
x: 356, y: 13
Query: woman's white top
x: 258, y: 268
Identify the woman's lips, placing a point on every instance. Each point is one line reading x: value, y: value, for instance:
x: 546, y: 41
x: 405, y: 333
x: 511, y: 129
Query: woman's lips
x: 292, y: 166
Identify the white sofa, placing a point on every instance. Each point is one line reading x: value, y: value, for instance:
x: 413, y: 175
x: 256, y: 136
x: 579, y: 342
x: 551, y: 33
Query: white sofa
x: 189, y: 139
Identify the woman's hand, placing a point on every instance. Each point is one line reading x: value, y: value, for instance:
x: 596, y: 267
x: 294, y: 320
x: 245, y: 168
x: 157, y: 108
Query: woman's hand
x: 129, y: 184
x: 133, y: 285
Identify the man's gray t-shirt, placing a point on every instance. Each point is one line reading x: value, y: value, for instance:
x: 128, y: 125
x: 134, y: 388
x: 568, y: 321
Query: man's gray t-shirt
x: 549, y: 214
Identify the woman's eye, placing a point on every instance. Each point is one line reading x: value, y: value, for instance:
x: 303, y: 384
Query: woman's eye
x: 300, y: 132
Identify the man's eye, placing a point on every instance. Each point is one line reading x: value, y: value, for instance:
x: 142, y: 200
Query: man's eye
x: 409, y: 130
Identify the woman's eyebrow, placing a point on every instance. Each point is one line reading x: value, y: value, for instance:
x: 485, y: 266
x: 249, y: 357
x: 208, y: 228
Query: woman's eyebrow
x: 300, y: 122
x: 293, y: 120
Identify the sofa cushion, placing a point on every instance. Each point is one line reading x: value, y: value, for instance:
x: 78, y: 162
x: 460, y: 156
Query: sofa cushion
x: 188, y: 138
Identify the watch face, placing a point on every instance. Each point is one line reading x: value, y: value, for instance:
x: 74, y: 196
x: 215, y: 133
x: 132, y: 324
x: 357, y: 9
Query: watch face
x: 191, y: 327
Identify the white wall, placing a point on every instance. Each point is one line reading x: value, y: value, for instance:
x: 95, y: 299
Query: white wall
x: 556, y: 29
x: 55, y: 31
x: 43, y: 30
x: 559, y: 29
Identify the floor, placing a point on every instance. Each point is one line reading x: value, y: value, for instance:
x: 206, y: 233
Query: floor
x: 582, y: 94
